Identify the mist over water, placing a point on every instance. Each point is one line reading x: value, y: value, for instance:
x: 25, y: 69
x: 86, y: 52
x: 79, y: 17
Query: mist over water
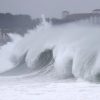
x: 6, y: 53
x: 66, y: 51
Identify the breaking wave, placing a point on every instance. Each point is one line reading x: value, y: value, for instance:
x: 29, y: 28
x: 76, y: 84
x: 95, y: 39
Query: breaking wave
x: 66, y: 51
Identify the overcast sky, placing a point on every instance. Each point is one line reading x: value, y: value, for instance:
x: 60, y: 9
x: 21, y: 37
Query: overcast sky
x: 50, y: 8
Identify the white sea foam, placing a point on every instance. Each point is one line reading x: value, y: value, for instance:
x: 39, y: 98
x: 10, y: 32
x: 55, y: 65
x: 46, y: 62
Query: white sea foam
x: 75, y: 49
x: 6, y: 53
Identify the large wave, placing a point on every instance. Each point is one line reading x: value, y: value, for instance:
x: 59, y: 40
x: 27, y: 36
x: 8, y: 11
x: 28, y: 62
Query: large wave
x: 66, y: 51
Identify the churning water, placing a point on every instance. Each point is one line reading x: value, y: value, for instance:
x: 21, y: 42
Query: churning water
x: 62, y: 52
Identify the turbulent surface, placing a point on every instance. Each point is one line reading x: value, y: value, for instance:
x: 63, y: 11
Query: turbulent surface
x: 58, y: 52
x: 52, y: 63
x: 30, y: 90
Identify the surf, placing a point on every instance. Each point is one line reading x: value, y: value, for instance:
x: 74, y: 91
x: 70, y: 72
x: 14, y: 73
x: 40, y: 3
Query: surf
x: 64, y: 51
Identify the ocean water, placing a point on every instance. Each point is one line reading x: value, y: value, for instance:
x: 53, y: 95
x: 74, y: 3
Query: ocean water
x: 52, y: 61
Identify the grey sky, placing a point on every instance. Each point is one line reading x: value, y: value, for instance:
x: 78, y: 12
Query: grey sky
x: 48, y: 7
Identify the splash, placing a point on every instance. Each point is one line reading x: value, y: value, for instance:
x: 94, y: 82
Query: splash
x: 6, y: 53
x: 71, y: 50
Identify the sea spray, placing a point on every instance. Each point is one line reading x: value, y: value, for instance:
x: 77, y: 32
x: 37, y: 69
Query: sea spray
x: 6, y: 53
x: 73, y: 48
